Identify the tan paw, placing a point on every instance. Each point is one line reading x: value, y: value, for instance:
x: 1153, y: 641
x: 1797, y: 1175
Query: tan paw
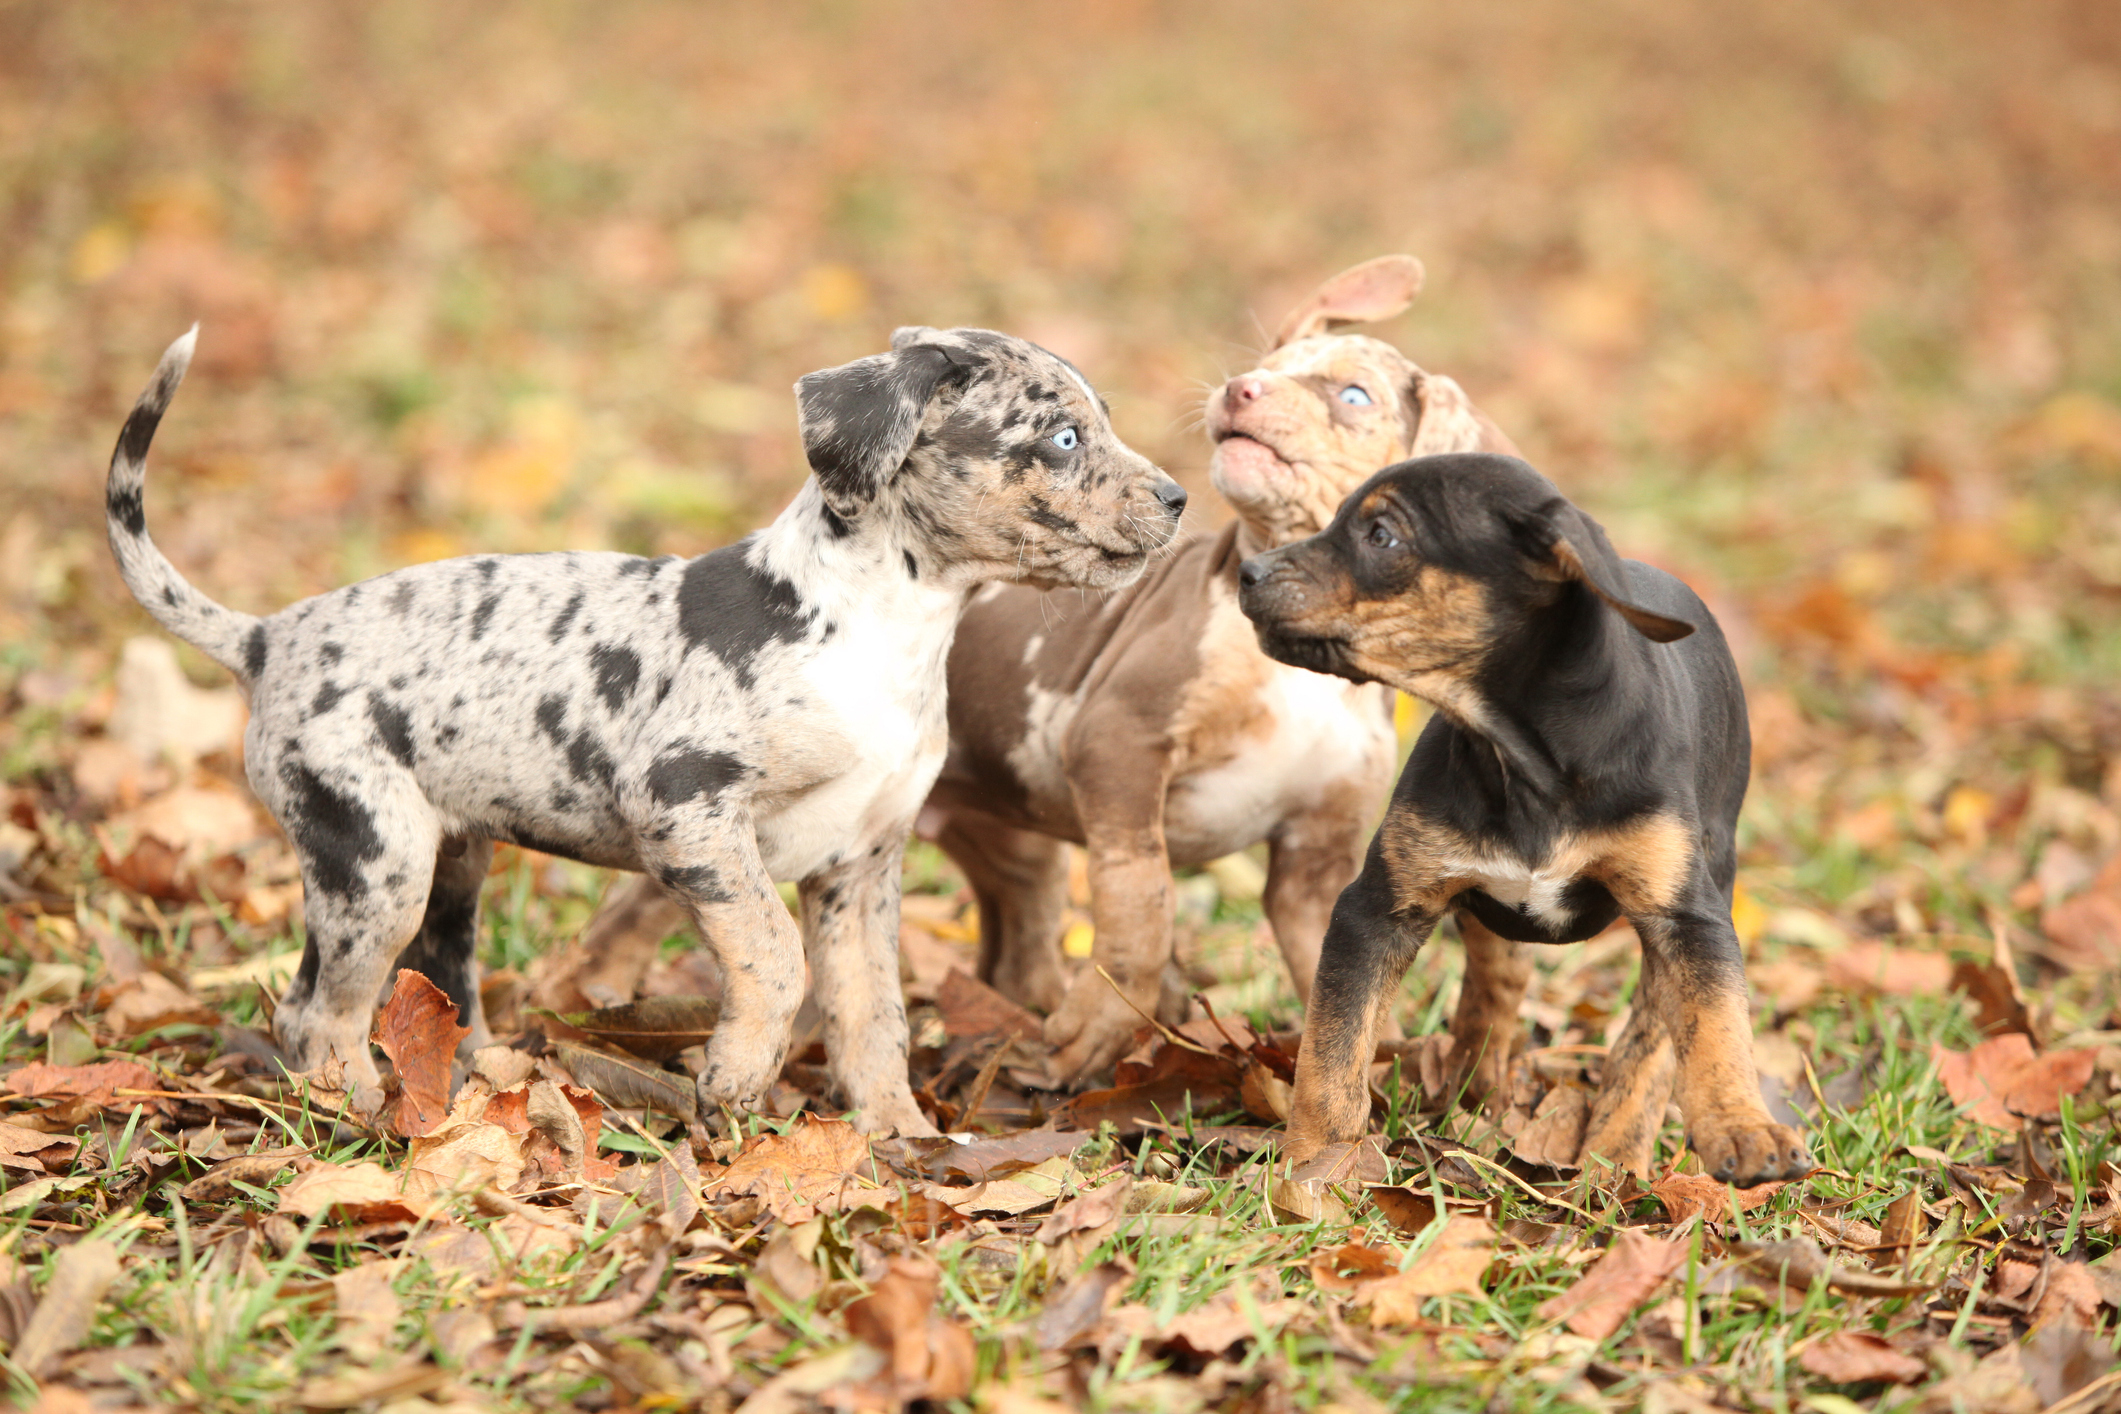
x: 1748, y: 1148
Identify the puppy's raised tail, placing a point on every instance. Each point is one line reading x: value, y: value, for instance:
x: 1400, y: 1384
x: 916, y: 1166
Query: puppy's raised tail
x: 235, y: 641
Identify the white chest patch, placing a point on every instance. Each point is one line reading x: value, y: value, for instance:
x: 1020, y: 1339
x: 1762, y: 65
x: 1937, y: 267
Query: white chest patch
x: 1534, y: 891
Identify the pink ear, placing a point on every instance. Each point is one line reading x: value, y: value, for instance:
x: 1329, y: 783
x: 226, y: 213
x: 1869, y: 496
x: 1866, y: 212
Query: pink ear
x: 1376, y: 289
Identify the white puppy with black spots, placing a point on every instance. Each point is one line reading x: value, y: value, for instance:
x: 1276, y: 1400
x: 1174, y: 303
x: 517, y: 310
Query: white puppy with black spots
x: 772, y: 710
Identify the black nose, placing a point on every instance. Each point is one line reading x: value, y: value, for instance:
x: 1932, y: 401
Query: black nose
x: 1172, y: 495
x: 1250, y: 573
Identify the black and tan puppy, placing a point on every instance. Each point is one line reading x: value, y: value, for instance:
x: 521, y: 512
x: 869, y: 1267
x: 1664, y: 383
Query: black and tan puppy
x: 1587, y: 760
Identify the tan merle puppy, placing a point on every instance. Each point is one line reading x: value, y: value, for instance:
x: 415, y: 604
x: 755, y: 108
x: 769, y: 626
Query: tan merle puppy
x: 772, y: 710
x: 1146, y: 724
x: 1587, y: 760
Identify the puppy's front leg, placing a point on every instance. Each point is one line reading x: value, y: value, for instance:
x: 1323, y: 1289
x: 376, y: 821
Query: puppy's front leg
x: 1699, y: 992
x: 712, y: 864
x: 1119, y: 797
x: 1369, y: 945
x: 850, y: 924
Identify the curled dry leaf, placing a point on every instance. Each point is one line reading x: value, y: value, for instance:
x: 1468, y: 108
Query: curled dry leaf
x: 418, y: 1030
x: 654, y: 1028
x: 80, y: 1275
x: 628, y: 1084
x: 1453, y: 1264
x: 819, y: 1165
x: 1080, y: 1305
x: 1554, y: 1138
x: 1688, y: 1195
x: 218, y: 1184
x: 114, y: 1085
x: 1904, y: 1221
x: 931, y: 1357
x: 1858, y: 1357
x: 462, y: 1158
x: 1091, y: 1210
x: 353, y: 1193
x: 2001, y: 1080
x: 1631, y: 1269
x: 1795, y: 1263
x: 1408, y: 1211
x: 151, y: 1001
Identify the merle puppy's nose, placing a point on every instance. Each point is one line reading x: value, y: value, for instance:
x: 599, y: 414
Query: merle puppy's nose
x: 1172, y: 495
x: 1251, y: 572
x: 1243, y: 389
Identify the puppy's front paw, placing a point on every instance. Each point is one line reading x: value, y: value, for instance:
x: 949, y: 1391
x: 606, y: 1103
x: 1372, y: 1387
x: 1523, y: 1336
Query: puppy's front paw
x: 1094, y: 1027
x: 1748, y: 1148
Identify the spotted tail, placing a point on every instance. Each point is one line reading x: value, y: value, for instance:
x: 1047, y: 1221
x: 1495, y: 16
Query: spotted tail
x: 235, y: 641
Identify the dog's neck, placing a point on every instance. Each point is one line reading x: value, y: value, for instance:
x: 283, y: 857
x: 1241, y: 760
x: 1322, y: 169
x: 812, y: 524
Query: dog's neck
x: 870, y: 564
x: 1520, y: 714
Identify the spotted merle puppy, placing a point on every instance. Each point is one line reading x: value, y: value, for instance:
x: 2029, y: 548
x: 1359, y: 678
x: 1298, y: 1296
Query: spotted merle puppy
x: 772, y: 710
x: 1587, y: 759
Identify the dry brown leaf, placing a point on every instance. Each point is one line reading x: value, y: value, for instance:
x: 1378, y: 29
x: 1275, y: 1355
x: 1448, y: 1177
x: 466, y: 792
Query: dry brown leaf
x: 2072, y: 1297
x: 367, y: 1306
x: 1408, y: 1211
x: 1091, y: 1210
x: 1858, y: 1357
x: 1351, y: 1266
x: 1795, y: 1263
x: 218, y: 1184
x: 1631, y: 1269
x: 2084, y: 933
x: 33, y: 1151
x: 418, y: 1030
x: 1999, y: 1001
x: 98, y: 1084
x: 628, y: 1084
x: 930, y: 1357
x: 653, y: 1028
x: 354, y: 1193
x: 819, y: 1165
x: 1868, y: 966
x: 150, y: 1001
x: 971, y: 1009
x: 1453, y: 1264
x: 1688, y: 1195
x: 1554, y: 1138
x: 80, y: 1275
x: 1266, y: 1096
x: 462, y: 1158
x: 1080, y: 1305
x: 1221, y: 1322
x: 1904, y: 1221
x: 1005, y: 1154
x: 2002, y: 1080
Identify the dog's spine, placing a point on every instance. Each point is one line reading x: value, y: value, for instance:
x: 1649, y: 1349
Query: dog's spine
x: 230, y: 638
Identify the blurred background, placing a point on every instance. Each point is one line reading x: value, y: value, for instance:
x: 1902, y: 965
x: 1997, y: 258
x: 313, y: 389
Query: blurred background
x: 1818, y: 305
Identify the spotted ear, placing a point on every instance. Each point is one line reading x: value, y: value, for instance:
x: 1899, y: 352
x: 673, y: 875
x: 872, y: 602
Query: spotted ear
x: 1376, y: 289
x: 859, y: 420
x: 1579, y: 551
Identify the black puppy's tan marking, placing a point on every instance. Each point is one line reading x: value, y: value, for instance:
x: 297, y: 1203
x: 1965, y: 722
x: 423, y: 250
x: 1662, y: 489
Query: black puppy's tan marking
x: 1587, y: 761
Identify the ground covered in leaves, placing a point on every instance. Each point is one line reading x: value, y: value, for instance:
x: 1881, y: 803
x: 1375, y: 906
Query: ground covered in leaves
x: 1821, y: 310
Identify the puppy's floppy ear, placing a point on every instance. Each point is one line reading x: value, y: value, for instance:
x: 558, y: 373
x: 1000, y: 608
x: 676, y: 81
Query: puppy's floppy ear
x: 1575, y: 548
x: 1376, y: 289
x: 859, y: 420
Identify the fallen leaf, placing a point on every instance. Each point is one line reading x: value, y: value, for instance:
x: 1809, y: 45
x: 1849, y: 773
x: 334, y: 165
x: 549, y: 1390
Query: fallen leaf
x: 34, y: 1151
x: 2071, y: 1298
x: 2060, y: 1360
x: 1131, y: 1109
x: 654, y: 1028
x: 1631, y: 1269
x: 1408, y: 1211
x: 150, y: 1001
x: 218, y: 1184
x: 1221, y: 1322
x: 931, y: 1357
x: 415, y: 1376
x: 2084, y: 933
x: 1858, y: 1357
x: 462, y: 1158
x: 1266, y: 1096
x: 1079, y: 1305
x: 1796, y: 1263
x: 993, y: 1158
x: 98, y: 1084
x: 629, y: 1084
x: 367, y: 1307
x: 1352, y: 1266
x: 971, y: 1009
x: 1904, y: 1221
x: 2002, y: 1080
x: 1091, y: 1210
x: 1873, y: 967
x: 1688, y: 1195
x: 819, y: 1165
x: 80, y: 1275
x: 1452, y: 1264
x: 353, y: 1193
x: 1999, y: 1001
x: 1554, y: 1138
x: 418, y: 1030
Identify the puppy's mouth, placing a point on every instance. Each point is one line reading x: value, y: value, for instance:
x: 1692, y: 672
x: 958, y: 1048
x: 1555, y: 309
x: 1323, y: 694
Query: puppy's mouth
x: 1310, y: 651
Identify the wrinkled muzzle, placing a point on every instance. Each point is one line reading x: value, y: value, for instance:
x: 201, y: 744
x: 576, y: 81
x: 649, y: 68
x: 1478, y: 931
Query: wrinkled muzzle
x: 1281, y: 592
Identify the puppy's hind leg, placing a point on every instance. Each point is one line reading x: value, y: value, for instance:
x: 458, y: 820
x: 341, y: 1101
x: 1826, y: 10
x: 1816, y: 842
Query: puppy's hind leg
x: 1020, y: 879
x: 446, y: 948
x: 367, y: 859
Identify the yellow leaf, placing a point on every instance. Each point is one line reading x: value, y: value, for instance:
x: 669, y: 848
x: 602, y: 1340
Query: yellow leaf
x: 1747, y: 916
x: 835, y: 292
x: 1078, y: 940
x: 99, y: 252
x: 1966, y: 814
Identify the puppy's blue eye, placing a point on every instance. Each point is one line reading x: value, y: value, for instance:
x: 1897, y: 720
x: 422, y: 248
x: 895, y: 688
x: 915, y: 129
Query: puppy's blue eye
x: 1065, y: 439
x: 1355, y: 395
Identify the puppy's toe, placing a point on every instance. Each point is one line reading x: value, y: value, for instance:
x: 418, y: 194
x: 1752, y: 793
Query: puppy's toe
x: 1749, y: 1149
x: 1089, y: 1033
